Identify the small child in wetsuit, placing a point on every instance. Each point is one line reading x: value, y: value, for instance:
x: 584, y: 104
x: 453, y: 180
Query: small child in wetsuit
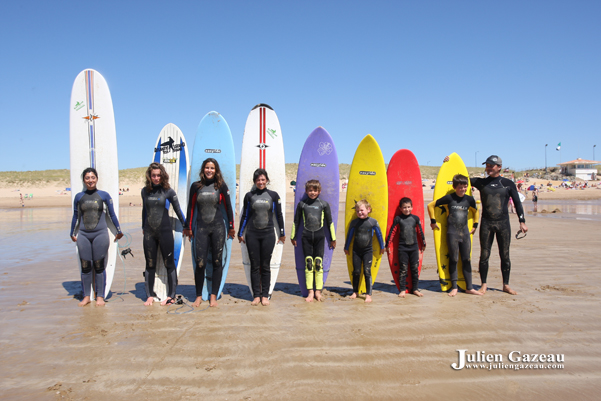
x: 409, y: 227
x: 316, y: 215
x: 362, y: 230
x: 457, y: 205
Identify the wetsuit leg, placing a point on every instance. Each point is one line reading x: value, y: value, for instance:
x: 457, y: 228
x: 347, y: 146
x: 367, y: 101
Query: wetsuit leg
x: 319, y: 241
x: 453, y: 245
x: 267, y: 245
x: 367, y: 260
x: 217, y: 244
x: 486, y: 239
x: 357, y: 261
x: 504, y: 241
x: 167, y: 247
x: 151, y: 250
x: 414, y: 266
x: 403, y: 266
x: 201, y: 251
x: 100, y: 276
x: 86, y: 277
x: 309, y: 272
x: 466, y: 266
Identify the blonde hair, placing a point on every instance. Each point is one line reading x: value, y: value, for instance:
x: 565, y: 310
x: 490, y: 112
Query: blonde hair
x: 363, y: 202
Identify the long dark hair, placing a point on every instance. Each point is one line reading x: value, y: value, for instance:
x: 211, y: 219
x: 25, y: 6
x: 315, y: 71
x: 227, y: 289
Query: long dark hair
x: 218, y: 177
x: 164, y: 176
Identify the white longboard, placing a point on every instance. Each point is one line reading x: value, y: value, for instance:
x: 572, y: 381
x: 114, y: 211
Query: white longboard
x: 171, y: 150
x: 263, y: 147
x: 93, y: 143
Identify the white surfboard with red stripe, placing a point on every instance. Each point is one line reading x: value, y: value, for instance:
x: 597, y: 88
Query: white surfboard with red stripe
x: 263, y: 147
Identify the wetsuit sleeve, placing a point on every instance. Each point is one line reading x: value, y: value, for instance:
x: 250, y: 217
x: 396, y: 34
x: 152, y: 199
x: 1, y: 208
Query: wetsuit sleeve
x: 431, y: 212
x: 277, y: 201
x: 75, y: 220
x: 245, y: 214
x: 176, y: 207
x: 327, y: 213
x: 109, y: 205
x: 476, y: 183
x: 376, y: 228
x: 420, y: 230
x: 395, y: 224
x: 191, y: 205
x: 513, y: 192
x: 225, y: 198
x: 143, y: 207
x: 297, y: 217
x: 350, y: 234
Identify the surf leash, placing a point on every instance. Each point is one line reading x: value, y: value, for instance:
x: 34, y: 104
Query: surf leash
x: 518, y: 236
x: 181, y: 303
x: 123, y: 250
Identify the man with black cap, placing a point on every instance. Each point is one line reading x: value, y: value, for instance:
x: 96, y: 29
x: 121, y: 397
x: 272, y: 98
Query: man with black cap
x: 495, y: 192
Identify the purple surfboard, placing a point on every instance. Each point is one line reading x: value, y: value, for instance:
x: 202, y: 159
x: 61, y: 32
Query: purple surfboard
x: 318, y: 161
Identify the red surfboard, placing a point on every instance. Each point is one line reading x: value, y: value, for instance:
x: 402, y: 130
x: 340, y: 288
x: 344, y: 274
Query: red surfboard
x: 404, y: 179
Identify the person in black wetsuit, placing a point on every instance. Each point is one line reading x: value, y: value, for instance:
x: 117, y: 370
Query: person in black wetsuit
x: 157, y: 195
x: 495, y: 192
x: 259, y: 207
x: 409, y: 227
x: 362, y: 229
x: 93, y: 239
x: 314, y: 212
x: 206, y: 199
x: 457, y: 206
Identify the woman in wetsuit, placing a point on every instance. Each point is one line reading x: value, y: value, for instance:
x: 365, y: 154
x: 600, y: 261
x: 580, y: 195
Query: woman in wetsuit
x: 260, y: 205
x: 93, y: 239
x: 158, y: 232
x: 206, y: 198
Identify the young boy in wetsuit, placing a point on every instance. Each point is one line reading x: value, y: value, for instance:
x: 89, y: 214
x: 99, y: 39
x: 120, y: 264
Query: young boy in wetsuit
x: 457, y: 205
x: 408, y: 250
x: 362, y: 229
x: 314, y: 212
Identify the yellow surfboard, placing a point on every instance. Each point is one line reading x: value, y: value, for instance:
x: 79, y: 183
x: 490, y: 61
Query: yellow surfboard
x: 367, y: 180
x: 444, y: 186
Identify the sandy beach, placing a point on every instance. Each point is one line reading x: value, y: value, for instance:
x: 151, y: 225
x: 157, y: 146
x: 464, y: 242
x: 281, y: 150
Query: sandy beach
x: 337, y: 349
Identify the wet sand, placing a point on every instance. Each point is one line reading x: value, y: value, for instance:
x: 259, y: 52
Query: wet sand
x: 337, y: 349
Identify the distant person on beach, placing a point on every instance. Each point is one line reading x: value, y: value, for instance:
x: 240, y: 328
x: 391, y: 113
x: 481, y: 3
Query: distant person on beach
x: 409, y: 226
x: 207, y: 197
x: 535, y: 199
x: 362, y: 229
x: 495, y: 192
x: 316, y: 216
x: 260, y: 206
x: 458, y: 205
x: 157, y: 229
x: 92, y: 237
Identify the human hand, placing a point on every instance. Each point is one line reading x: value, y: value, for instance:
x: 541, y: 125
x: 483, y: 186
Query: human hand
x: 434, y: 226
x: 293, y: 242
x: 73, y: 238
x: 231, y: 233
x: 118, y: 237
x: 241, y: 240
x: 346, y: 251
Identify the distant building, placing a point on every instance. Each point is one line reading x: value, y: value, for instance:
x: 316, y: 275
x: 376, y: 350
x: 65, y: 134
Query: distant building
x: 583, y: 169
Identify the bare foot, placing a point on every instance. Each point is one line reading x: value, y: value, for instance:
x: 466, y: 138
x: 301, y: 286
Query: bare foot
x: 353, y: 296
x: 255, y: 301
x: 453, y: 292
x: 264, y: 301
x: 310, y: 297
x: 85, y: 301
x: 168, y: 301
x: 509, y: 290
x: 100, y: 301
x: 197, y: 302
x: 483, y: 288
x: 318, y: 295
x: 213, y: 300
x: 417, y: 293
x: 149, y: 301
x: 473, y: 292
x: 367, y: 298
x: 402, y: 294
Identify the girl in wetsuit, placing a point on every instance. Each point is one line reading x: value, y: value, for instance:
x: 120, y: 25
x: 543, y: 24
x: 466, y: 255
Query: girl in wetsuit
x: 260, y: 206
x: 363, y: 229
x: 93, y: 239
x: 157, y: 195
x: 207, y: 197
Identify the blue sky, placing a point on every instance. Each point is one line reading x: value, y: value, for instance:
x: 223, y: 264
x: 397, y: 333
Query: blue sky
x: 432, y: 76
